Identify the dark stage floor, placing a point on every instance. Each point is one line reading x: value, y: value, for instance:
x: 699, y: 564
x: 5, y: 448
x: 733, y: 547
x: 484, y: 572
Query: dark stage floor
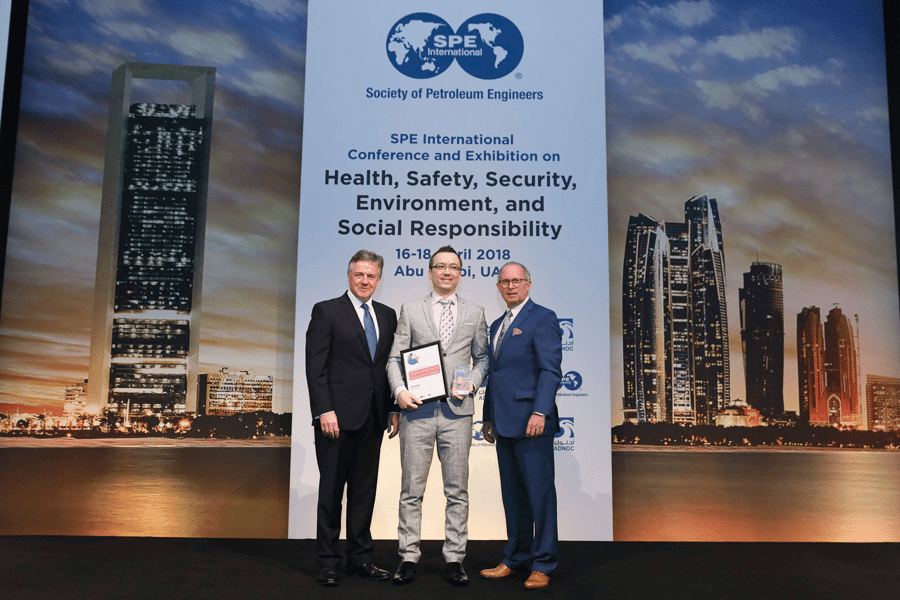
x: 100, y: 568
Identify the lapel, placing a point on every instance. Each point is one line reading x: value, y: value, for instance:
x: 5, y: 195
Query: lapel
x: 428, y: 310
x: 383, y: 326
x: 461, y: 314
x: 519, y: 320
x: 355, y: 325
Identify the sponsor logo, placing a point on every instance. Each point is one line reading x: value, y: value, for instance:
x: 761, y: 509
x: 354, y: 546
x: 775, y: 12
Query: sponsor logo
x: 423, y: 45
x: 567, y: 331
x: 565, y: 438
x: 412, y: 359
x: 571, y: 381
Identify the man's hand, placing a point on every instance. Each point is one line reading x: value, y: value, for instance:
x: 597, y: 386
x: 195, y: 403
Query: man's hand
x: 487, y: 430
x: 329, y: 424
x: 406, y: 400
x: 535, y: 426
x: 393, y: 425
x: 471, y: 391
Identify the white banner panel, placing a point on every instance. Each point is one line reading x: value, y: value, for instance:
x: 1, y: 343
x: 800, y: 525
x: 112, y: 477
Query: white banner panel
x: 479, y: 125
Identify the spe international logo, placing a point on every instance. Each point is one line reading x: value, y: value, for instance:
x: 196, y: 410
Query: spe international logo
x: 571, y: 381
x: 486, y: 46
x: 567, y: 331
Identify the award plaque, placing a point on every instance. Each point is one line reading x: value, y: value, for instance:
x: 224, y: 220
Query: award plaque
x: 423, y: 372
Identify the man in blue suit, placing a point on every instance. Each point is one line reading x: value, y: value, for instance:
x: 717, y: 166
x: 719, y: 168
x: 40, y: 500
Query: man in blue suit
x: 520, y: 414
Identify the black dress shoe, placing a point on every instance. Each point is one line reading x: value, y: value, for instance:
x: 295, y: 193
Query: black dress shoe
x: 369, y: 571
x: 456, y: 574
x: 405, y: 572
x: 328, y: 577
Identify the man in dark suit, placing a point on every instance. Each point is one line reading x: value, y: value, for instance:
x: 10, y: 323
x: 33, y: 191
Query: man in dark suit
x: 346, y: 358
x: 520, y: 414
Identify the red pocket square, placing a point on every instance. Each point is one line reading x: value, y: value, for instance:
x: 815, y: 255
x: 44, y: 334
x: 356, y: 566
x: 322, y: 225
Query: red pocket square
x: 516, y: 331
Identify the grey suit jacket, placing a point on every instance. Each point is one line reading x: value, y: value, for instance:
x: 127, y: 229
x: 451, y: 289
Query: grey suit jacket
x: 416, y: 326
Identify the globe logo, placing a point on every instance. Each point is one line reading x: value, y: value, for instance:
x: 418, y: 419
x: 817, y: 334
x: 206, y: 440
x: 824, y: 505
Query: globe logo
x: 571, y: 381
x: 412, y: 45
x: 423, y: 45
x: 500, y: 43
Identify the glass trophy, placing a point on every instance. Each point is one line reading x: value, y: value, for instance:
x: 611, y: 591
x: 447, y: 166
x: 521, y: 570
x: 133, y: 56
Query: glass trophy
x: 460, y: 385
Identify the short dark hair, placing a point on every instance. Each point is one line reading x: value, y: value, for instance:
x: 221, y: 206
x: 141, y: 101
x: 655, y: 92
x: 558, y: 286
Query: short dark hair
x: 444, y: 249
x: 366, y: 256
x: 514, y: 263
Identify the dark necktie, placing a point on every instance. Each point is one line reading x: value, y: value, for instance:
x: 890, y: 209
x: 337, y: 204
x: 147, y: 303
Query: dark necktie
x: 506, y: 321
x: 370, y: 330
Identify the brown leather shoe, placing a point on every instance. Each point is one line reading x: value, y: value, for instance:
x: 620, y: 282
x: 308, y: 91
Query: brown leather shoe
x: 536, y: 581
x: 498, y: 572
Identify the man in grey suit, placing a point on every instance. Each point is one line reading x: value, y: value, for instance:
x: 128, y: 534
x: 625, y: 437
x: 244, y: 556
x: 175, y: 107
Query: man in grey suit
x: 461, y: 328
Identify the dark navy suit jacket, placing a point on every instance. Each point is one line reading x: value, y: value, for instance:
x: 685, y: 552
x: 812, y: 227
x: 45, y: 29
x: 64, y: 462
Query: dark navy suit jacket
x: 524, y: 376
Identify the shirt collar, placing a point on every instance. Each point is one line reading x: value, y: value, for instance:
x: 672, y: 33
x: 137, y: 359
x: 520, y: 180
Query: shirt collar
x: 357, y: 302
x: 436, y: 298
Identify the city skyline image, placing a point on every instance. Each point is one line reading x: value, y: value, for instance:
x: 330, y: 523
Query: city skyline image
x: 157, y: 266
x: 778, y: 112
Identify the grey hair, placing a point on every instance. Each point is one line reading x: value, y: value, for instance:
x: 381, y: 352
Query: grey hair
x: 366, y: 256
x: 514, y: 263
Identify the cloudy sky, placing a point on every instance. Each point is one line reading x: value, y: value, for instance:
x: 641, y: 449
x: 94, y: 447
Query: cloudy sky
x: 72, y: 47
x: 778, y: 109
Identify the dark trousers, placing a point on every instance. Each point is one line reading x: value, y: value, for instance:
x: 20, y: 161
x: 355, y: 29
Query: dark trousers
x: 529, y: 501
x: 351, y: 460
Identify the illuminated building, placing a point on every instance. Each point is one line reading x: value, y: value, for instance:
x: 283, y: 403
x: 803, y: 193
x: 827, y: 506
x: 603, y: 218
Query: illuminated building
x: 883, y: 402
x: 226, y: 393
x: 145, y: 336
x: 643, y: 319
x: 674, y: 322
x: 841, y: 379
x: 75, y: 402
x: 709, y: 318
x: 738, y: 414
x: 811, y: 367
x: 762, y: 338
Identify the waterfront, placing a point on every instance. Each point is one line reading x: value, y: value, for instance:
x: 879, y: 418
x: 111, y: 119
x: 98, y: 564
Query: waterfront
x: 185, y: 490
x: 755, y: 494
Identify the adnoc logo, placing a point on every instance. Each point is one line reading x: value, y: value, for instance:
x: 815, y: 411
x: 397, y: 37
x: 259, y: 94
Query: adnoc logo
x: 567, y: 331
x: 486, y: 46
x: 565, y: 437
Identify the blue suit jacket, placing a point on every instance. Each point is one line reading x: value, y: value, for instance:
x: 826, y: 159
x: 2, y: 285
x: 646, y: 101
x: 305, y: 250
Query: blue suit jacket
x: 524, y: 376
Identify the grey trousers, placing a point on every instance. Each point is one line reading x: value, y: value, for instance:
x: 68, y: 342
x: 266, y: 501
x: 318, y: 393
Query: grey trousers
x: 419, y: 431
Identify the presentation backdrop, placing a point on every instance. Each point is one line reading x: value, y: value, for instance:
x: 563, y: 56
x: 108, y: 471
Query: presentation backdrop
x: 485, y: 131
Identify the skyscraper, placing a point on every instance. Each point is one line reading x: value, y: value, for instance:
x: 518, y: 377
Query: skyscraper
x: 841, y: 376
x: 144, y: 342
x: 811, y: 367
x: 643, y: 325
x: 680, y: 400
x: 709, y: 317
x: 762, y: 338
x: 674, y: 322
x: 883, y: 402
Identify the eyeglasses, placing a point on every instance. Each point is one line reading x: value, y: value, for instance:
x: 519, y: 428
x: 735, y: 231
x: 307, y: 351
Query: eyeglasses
x: 451, y: 268
x: 511, y: 282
